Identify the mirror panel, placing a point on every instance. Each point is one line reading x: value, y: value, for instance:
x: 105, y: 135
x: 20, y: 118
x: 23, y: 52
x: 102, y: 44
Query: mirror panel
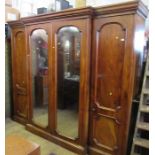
x: 39, y: 53
x: 68, y: 85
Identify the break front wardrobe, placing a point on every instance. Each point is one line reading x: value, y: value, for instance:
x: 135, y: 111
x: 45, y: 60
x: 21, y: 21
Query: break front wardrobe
x: 75, y: 74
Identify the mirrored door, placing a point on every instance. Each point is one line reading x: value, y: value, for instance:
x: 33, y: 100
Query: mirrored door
x: 68, y: 77
x: 39, y: 68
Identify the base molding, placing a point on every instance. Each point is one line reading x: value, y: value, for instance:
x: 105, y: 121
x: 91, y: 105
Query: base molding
x: 64, y: 143
x: 19, y: 119
x: 94, y: 151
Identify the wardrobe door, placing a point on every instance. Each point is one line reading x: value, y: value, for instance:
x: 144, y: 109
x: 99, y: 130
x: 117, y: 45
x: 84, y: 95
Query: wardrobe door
x: 20, y: 76
x: 38, y: 73
x: 70, y: 81
x: 111, y: 91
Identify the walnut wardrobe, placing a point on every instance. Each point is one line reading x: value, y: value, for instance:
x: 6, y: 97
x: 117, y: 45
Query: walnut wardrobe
x: 75, y: 74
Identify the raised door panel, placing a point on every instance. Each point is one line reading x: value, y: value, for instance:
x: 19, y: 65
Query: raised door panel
x: 110, y: 83
x: 20, y: 73
x: 111, y: 44
x: 20, y: 56
x: 107, y: 137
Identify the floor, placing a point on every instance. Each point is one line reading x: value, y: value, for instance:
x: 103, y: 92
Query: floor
x: 47, y: 147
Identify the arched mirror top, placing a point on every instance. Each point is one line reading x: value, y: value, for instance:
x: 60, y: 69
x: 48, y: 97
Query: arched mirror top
x: 39, y: 33
x: 39, y: 44
x: 69, y: 28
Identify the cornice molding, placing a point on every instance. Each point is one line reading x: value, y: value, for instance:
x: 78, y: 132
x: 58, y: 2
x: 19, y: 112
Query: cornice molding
x: 16, y: 23
x: 131, y: 7
x: 78, y: 12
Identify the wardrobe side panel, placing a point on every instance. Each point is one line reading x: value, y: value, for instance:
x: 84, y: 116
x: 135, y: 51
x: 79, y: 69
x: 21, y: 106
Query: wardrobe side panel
x: 20, y: 75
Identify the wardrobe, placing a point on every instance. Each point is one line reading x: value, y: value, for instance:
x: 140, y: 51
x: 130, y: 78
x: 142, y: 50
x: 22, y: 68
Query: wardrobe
x: 75, y: 74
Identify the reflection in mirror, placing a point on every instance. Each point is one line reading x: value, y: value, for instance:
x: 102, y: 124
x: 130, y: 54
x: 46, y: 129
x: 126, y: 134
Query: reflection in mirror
x: 68, y: 73
x: 39, y: 54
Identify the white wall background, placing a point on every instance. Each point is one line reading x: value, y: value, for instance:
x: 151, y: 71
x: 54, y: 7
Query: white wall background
x: 106, y: 2
x: 29, y: 7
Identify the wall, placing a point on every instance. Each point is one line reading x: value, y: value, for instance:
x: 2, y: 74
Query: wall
x: 29, y: 7
x: 7, y: 79
x: 107, y: 2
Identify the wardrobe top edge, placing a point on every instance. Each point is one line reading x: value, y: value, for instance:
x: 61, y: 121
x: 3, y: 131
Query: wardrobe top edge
x: 131, y: 7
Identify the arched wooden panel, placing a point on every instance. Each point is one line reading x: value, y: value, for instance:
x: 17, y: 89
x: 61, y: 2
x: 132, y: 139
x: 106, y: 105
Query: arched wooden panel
x: 111, y: 43
x: 20, y: 56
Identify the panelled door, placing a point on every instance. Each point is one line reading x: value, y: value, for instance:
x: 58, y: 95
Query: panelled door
x: 110, y: 102
x: 20, y: 77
